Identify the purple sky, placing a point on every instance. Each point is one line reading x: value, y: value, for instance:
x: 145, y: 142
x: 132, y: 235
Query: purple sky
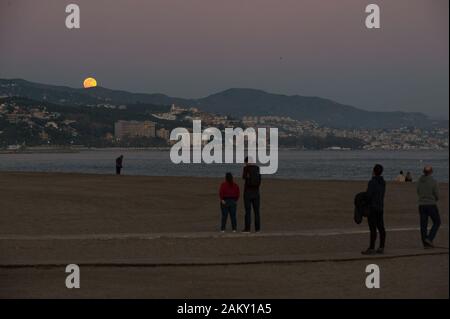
x: 192, y: 48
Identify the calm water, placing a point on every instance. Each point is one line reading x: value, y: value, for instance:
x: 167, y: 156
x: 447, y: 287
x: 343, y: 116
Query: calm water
x: 355, y: 165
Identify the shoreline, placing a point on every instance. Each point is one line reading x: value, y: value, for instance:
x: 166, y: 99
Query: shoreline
x: 272, y: 178
x: 63, y: 150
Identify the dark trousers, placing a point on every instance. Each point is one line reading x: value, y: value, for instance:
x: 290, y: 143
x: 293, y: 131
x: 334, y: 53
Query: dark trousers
x: 118, y: 169
x: 252, y: 199
x: 229, y: 208
x: 432, y: 212
x: 376, y: 222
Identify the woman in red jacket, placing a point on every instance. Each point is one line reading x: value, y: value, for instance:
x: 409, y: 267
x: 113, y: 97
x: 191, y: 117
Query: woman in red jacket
x: 229, y: 195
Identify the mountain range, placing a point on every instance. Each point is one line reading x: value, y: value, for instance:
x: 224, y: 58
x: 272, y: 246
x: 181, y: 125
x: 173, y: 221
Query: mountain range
x: 236, y: 102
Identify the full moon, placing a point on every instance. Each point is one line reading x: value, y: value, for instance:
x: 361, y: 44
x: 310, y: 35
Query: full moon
x: 90, y: 83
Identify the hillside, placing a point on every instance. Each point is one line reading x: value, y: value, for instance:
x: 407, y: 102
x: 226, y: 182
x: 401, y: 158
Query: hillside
x: 240, y: 102
x: 235, y: 102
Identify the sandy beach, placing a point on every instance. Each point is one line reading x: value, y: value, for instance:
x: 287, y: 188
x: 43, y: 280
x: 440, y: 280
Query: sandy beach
x: 157, y: 237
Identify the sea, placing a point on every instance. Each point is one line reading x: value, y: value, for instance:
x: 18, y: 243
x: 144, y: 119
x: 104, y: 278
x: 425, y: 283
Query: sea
x: 293, y: 164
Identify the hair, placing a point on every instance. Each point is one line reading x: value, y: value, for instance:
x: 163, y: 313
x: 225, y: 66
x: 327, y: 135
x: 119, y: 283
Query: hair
x: 378, y: 170
x: 249, y: 160
x: 427, y: 170
x: 401, y: 172
x: 229, y: 177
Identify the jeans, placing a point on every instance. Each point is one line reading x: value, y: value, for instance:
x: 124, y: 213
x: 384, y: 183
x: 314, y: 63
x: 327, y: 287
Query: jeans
x: 229, y: 208
x: 432, y: 212
x: 252, y: 199
x: 376, y: 222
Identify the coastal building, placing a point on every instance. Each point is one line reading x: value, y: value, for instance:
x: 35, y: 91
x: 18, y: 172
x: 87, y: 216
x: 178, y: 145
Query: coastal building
x: 177, y: 110
x: 43, y: 135
x: 165, y: 116
x: 39, y: 114
x: 13, y: 118
x: 109, y: 136
x: 163, y: 133
x: 132, y: 129
x: 51, y: 124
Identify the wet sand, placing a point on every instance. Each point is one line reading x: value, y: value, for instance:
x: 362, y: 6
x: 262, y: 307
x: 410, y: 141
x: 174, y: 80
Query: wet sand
x: 156, y: 237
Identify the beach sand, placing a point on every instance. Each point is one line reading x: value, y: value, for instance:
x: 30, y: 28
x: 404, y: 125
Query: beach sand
x: 157, y: 237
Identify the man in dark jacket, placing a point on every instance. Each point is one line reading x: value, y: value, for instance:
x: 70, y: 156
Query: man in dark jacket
x: 428, y: 193
x: 252, y: 178
x: 119, y: 163
x: 375, y: 193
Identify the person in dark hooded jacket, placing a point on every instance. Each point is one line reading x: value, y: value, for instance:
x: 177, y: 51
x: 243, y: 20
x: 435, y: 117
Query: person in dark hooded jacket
x: 376, y: 190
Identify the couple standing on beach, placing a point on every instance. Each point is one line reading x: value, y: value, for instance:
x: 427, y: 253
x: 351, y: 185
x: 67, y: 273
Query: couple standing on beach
x: 428, y: 195
x: 229, y: 195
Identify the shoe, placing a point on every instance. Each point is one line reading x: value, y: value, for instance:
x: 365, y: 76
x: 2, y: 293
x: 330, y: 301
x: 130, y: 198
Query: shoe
x: 380, y: 251
x: 222, y: 231
x: 428, y: 243
x: 246, y: 231
x: 369, y: 251
x: 234, y: 230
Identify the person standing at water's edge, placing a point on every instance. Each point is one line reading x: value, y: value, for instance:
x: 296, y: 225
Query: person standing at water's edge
x: 119, y: 164
x: 408, y: 177
x: 428, y: 193
x: 229, y: 195
x: 376, y: 190
x: 252, y: 177
x: 400, y: 177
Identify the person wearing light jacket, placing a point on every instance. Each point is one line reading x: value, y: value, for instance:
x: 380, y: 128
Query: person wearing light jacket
x: 428, y: 195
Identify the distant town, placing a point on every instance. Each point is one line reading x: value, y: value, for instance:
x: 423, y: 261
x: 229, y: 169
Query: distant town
x: 27, y: 123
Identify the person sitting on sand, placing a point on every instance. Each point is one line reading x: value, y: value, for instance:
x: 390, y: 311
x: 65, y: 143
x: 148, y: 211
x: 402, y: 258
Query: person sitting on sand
x: 229, y: 195
x: 428, y: 193
x: 408, y: 177
x: 252, y: 177
x: 119, y: 162
x: 400, y: 177
x: 375, y: 194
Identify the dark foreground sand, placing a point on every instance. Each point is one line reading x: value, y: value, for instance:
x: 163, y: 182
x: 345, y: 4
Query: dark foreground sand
x: 155, y: 237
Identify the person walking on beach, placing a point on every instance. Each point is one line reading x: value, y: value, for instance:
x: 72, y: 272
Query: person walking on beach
x: 428, y: 193
x: 252, y: 177
x: 400, y: 177
x: 376, y: 190
x: 229, y: 195
x: 119, y: 163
